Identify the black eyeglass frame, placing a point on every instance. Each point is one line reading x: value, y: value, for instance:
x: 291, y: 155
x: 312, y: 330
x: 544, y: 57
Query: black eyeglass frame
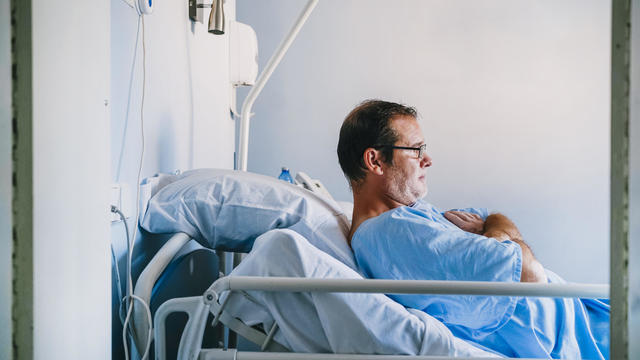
x: 421, y: 150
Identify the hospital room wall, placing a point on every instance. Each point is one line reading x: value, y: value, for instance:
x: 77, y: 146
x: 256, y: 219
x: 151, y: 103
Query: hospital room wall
x: 187, y: 122
x: 59, y: 129
x: 514, y: 99
x: 5, y: 181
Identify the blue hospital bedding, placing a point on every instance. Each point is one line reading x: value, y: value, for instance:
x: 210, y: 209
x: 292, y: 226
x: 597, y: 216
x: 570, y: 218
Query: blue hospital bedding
x: 343, y: 323
x: 418, y: 242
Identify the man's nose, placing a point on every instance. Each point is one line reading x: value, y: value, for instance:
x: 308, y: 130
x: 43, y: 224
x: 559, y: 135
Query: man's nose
x: 426, y: 160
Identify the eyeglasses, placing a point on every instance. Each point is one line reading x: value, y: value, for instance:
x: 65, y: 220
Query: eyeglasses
x: 421, y: 150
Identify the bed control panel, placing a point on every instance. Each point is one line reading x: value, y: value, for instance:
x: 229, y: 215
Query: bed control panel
x: 312, y: 185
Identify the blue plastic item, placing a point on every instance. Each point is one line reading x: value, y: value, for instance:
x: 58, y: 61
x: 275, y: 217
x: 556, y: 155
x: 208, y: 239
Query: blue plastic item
x: 286, y: 175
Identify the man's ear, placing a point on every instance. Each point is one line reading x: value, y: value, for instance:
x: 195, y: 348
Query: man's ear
x: 373, y: 161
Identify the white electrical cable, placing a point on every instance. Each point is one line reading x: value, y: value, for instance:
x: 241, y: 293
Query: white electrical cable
x: 118, y: 282
x: 114, y: 209
x: 124, y: 333
x: 136, y: 6
x: 130, y: 297
x: 126, y: 115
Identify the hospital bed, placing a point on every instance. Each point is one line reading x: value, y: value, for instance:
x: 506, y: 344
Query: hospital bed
x: 298, y: 293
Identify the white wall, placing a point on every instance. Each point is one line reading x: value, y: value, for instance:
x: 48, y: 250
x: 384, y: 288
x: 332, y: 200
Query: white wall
x: 186, y: 110
x: 187, y: 121
x: 5, y: 181
x: 70, y: 180
x: 514, y: 98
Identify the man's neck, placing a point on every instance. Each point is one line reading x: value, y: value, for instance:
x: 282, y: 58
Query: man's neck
x: 369, y: 202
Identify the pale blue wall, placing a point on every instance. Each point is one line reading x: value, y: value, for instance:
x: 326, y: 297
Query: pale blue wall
x: 187, y: 121
x: 514, y: 98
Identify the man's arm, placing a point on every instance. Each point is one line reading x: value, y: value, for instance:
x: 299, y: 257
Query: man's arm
x: 499, y: 227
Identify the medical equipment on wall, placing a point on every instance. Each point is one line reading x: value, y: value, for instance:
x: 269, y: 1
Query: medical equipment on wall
x: 142, y: 7
x: 145, y: 7
x: 216, y: 23
x: 243, y: 54
x: 216, y: 17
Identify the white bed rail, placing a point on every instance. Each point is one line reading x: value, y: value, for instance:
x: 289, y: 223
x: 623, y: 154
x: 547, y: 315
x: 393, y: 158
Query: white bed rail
x: 233, y: 283
x: 144, y: 285
x: 199, y: 307
x: 233, y: 354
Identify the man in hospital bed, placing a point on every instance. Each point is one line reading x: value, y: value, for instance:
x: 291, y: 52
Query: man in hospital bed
x: 396, y: 235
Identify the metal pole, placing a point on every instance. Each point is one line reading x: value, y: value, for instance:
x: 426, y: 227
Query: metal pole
x: 243, y: 147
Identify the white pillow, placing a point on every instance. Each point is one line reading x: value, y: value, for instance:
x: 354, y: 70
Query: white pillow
x: 227, y: 210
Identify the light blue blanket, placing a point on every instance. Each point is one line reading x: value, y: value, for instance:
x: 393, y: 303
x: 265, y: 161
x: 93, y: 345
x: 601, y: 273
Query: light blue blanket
x: 418, y: 242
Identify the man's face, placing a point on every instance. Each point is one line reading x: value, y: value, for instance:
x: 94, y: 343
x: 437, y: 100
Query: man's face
x: 406, y: 177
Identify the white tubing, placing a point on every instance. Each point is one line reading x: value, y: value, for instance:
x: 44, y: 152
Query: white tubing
x: 243, y: 147
x: 410, y: 287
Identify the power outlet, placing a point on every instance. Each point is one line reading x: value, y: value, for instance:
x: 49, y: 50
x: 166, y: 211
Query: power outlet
x: 120, y: 198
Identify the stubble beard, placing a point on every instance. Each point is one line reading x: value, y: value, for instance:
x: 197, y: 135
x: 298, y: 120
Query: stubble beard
x: 400, y: 190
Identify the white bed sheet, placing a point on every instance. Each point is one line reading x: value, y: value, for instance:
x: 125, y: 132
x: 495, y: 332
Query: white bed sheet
x: 334, y: 322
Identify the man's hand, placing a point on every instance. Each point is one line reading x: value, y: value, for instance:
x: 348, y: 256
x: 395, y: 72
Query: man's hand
x: 466, y: 221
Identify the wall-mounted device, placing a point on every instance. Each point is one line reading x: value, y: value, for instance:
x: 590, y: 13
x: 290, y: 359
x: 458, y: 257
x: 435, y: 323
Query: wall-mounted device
x: 145, y: 7
x: 121, y: 199
x: 243, y: 54
x: 216, y: 16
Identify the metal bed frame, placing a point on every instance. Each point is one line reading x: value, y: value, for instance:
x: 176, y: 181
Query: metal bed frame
x: 198, y: 307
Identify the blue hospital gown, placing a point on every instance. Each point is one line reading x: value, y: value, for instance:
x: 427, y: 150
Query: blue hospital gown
x: 418, y: 243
